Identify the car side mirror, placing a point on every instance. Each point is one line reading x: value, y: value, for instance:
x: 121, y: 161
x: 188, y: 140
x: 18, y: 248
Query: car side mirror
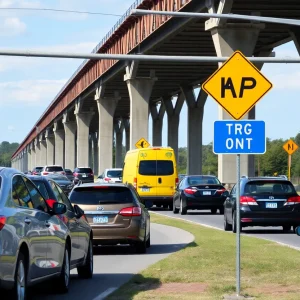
x: 297, y: 230
x: 50, y: 203
x: 78, y: 211
x: 59, y: 208
x: 225, y: 194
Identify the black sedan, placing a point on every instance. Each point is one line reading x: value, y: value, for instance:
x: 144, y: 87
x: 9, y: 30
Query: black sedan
x: 264, y: 201
x: 63, y: 182
x: 199, y: 192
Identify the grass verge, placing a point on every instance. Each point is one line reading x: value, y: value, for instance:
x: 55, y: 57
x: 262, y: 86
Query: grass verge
x: 205, y: 269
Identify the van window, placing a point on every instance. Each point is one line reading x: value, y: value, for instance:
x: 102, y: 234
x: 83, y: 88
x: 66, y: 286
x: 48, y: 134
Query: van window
x: 156, y: 167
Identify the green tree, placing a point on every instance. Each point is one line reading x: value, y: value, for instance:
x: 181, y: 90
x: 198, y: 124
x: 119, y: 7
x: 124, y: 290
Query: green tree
x: 6, y: 151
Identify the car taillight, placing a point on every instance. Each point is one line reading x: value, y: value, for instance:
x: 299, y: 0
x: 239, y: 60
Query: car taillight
x: 64, y: 173
x: 190, y: 191
x: 292, y: 200
x: 248, y: 200
x: 135, y: 183
x: 220, y: 191
x: 34, y: 173
x: 107, y: 179
x: 130, y: 211
x: 100, y: 187
x: 176, y: 181
x: 45, y: 173
x: 91, y: 174
x: 2, y: 222
x: 75, y: 174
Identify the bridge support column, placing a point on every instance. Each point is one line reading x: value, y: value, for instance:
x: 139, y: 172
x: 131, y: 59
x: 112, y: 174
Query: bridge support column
x: 228, y: 38
x: 91, y: 156
x: 194, y: 130
x: 28, y: 158
x: 33, y: 156
x: 43, y: 151
x: 95, y: 154
x: 59, y: 136
x: 140, y: 90
x: 70, y: 131
x: 157, y: 123
x: 119, y: 129
x: 173, y: 114
x: 83, y: 120
x: 126, y: 124
x: 106, y: 110
x: 37, y: 153
x: 50, y: 146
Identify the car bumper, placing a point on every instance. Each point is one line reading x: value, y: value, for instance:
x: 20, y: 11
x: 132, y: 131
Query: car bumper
x: 111, y: 236
x: 158, y: 199
x: 204, y: 203
x: 255, y: 219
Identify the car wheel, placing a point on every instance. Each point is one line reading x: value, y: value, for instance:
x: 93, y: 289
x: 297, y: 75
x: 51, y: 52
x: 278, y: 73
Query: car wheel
x: 20, y: 287
x: 141, y: 247
x: 286, y: 228
x: 183, y: 209
x: 227, y: 227
x: 221, y: 210
x: 148, y: 243
x: 213, y: 211
x: 63, y: 280
x: 86, y: 271
x: 175, y: 210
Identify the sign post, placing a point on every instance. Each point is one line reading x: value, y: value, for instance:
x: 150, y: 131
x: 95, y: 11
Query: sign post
x: 237, y: 86
x: 290, y: 147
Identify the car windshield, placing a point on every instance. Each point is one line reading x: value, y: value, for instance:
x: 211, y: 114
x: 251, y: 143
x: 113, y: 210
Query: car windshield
x: 85, y: 170
x: 100, y: 195
x: 198, y: 180
x: 268, y: 187
x: 114, y: 173
x: 58, y: 177
x: 42, y: 188
x: 54, y: 169
x: 156, y: 167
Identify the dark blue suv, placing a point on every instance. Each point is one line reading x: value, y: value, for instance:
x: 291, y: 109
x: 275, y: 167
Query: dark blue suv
x: 264, y: 201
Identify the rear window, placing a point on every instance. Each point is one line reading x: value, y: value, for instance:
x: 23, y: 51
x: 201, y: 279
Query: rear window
x: 198, y: 180
x: 84, y: 170
x: 101, y: 195
x: 38, y: 168
x: 269, y: 187
x: 54, y: 169
x: 156, y: 167
x: 114, y: 174
x: 42, y: 188
x: 68, y: 171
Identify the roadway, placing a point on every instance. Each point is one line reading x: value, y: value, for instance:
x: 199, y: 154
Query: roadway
x: 216, y: 221
x: 113, y: 266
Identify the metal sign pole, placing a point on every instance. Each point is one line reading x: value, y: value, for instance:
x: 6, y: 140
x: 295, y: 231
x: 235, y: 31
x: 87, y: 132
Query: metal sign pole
x: 238, y: 228
x: 290, y: 165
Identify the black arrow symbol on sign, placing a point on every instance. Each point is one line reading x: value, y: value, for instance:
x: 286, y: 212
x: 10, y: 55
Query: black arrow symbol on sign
x: 142, y: 144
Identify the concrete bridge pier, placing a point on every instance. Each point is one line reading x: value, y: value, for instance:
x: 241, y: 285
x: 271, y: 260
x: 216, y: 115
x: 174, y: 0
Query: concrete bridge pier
x: 95, y: 153
x: 119, y: 129
x: 59, y: 138
x: 157, y: 114
x: 106, y: 109
x: 173, y: 113
x: 70, y: 132
x: 50, y: 146
x: 37, y: 152
x: 43, y: 150
x: 83, y: 120
x: 126, y: 124
x: 194, y: 129
x: 33, y: 156
x: 228, y: 38
x: 140, y: 90
x: 28, y: 158
x: 91, y: 156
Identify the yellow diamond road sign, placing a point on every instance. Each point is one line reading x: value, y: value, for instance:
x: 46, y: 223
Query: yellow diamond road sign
x: 237, y: 86
x: 290, y: 147
x: 142, y: 143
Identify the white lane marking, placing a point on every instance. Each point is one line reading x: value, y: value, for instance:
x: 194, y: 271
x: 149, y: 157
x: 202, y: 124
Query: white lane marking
x: 217, y: 228
x: 105, y: 293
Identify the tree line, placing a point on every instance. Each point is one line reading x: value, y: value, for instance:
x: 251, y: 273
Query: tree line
x: 6, y: 151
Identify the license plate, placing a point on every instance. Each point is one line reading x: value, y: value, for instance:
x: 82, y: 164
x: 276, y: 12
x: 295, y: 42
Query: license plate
x: 206, y: 193
x: 271, y: 205
x: 145, y: 190
x: 84, y: 175
x: 100, y: 220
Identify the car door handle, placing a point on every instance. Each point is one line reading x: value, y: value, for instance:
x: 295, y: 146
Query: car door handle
x: 47, y: 224
x: 27, y: 221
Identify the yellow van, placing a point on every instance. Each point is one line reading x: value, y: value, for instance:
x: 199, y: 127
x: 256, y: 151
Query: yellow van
x: 153, y: 172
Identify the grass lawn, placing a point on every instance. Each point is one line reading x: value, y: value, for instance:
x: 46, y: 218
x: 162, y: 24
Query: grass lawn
x: 205, y: 269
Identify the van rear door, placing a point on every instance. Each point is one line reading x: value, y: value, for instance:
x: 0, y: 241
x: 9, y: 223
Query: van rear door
x: 147, y: 179
x: 166, y: 173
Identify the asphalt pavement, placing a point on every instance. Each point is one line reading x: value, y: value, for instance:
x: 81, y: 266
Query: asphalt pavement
x: 114, y: 266
x: 216, y: 221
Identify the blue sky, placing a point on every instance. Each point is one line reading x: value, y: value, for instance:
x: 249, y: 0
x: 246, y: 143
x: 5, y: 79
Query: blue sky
x: 28, y: 85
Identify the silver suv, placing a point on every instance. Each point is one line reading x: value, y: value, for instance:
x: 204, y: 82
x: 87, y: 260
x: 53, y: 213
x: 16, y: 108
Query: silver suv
x: 47, y: 170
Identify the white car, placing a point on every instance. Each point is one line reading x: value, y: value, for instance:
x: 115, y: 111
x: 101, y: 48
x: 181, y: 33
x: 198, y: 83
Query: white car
x: 111, y: 176
x: 52, y: 170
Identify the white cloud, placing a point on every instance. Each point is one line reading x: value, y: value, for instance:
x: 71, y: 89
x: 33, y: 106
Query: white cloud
x: 18, y: 3
x: 11, y: 27
x: 29, y: 92
x: 11, y: 128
